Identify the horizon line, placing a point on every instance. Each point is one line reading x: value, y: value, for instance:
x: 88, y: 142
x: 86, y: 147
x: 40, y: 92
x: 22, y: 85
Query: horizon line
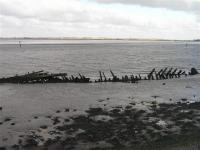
x: 98, y: 38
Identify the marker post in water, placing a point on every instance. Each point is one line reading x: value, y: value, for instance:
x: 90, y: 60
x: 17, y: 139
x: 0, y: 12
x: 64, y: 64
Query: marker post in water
x: 20, y: 45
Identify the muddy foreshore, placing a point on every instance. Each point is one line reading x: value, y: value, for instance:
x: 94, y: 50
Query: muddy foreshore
x: 119, y: 127
x: 147, y: 116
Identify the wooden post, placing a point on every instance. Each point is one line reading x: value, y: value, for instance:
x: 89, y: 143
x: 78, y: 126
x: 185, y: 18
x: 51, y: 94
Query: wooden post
x: 100, y: 76
x: 105, y: 79
x: 150, y: 75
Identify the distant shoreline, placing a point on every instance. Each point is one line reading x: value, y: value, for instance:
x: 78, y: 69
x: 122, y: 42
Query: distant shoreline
x: 89, y: 38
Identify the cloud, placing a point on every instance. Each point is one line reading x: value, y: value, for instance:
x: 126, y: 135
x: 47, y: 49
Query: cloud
x: 76, y: 18
x: 183, y: 5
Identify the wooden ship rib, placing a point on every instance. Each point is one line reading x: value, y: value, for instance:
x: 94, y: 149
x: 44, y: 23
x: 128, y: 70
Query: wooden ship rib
x: 45, y: 77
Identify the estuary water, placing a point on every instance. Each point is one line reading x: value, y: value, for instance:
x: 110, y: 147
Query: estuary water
x: 90, y: 56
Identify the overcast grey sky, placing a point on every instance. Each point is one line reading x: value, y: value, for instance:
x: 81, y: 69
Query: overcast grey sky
x: 166, y: 19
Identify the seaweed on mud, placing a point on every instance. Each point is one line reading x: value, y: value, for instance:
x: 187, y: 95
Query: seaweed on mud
x: 129, y: 126
x: 30, y: 142
x: 15, y: 147
x: 126, y: 125
x: 96, y: 111
x: 56, y: 120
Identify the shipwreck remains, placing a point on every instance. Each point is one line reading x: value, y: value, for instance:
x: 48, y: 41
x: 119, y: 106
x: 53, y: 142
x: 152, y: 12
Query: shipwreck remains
x: 46, y: 77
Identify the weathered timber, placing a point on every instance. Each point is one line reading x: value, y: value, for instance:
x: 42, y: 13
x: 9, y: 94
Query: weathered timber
x: 174, y: 72
x: 45, y: 77
x: 169, y: 72
x: 193, y: 71
x: 105, y: 79
x: 150, y: 75
x: 140, y: 78
x: 100, y: 75
x: 115, y: 78
x: 163, y: 74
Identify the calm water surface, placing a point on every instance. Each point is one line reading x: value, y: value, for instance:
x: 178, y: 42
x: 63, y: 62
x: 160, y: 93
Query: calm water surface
x: 88, y: 57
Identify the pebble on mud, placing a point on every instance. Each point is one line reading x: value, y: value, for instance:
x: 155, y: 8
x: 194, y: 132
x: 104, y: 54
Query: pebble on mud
x: 43, y: 127
x: 7, y: 119
x: 66, y: 109
x: 12, y: 124
x: 58, y: 111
